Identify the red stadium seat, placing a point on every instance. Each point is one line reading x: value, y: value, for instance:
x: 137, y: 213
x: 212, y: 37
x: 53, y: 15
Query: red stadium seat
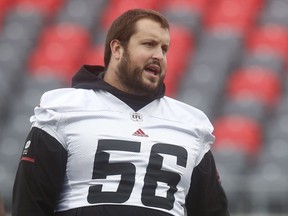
x: 271, y: 39
x: 254, y: 82
x: 198, y: 5
x: 60, y: 50
x: 55, y: 59
x: 181, y: 49
x: 233, y: 15
x: 47, y: 7
x: 237, y: 131
x: 71, y: 35
x: 5, y: 5
x: 95, y: 56
x: 116, y: 7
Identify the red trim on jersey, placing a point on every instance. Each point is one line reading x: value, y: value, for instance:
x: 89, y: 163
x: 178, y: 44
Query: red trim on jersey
x: 28, y: 159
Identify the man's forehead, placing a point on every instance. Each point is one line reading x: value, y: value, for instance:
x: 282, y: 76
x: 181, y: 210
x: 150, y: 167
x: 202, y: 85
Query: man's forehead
x: 151, y: 28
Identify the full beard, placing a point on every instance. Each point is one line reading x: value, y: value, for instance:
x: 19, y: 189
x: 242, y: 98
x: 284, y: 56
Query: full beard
x: 132, y: 78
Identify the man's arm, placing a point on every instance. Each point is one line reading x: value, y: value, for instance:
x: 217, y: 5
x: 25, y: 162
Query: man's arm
x: 40, y: 175
x: 206, y: 196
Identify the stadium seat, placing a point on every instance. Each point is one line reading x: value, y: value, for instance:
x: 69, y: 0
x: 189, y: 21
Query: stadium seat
x: 200, y: 97
x: 116, y: 7
x: 276, y: 150
x: 22, y: 28
x: 245, y: 107
x: 232, y: 166
x: 17, y: 128
x: 12, y: 57
x: 85, y: 13
x: 210, y: 75
x: 285, y: 89
x: 47, y: 7
x: 33, y: 88
x: 275, y: 13
x: 73, y: 36
x: 94, y: 56
x: 182, y: 44
x: 238, y: 131
x: 5, y: 6
x: 256, y: 83
x: 269, y: 39
x: 233, y: 15
x: 54, y: 59
x: 205, y: 76
x: 199, y: 6
x: 219, y: 47
x: 6, y: 181
x: 202, y: 85
x: 282, y: 107
x: 277, y: 128
x: 60, y: 50
x: 268, y: 187
x: 4, y: 102
x: 187, y: 13
x: 183, y: 16
x: 266, y: 61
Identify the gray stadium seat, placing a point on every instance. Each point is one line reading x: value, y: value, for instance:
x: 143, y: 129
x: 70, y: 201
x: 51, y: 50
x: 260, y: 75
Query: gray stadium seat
x: 268, y: 187
x: 275, y: 12
x: 22, y: 28
x: 16, y: 129
x: 232, y: 168
x: 86, y: 13
x: 265, y: 60
x: 183, y: 16
x: 246, y: 107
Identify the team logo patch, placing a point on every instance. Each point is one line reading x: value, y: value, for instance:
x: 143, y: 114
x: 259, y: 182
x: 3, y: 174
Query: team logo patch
x: 26, y: 147
x: 28, y: 143
x: 136, y: 117
x: 25, y: 153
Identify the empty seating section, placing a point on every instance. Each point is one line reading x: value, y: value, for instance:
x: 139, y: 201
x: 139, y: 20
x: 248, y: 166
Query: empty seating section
x: 86, y: 13
x: 5, y: 6
x: 238, y: 16
x: 94, y: 55
x: 246, y: 106
x: 241, y: 132
x: 59, y: 50
x: 46, y: 7
x: 275, y: 12
x: 115, y: 8
x: 227, y: 58
x: 196, y: 5
x: 256, y: 83
x: 182, y: 45
x: 186, y: 13
x: 269, y: 39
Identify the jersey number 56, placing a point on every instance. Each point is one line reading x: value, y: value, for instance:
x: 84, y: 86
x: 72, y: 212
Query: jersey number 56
x: 154, y: 173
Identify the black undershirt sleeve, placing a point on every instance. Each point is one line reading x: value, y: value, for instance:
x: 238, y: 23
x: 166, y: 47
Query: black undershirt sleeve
x: 39, y: 176
x: 206, y: 196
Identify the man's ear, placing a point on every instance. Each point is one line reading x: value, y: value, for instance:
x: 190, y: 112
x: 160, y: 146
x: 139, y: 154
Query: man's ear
x: 116, y: 49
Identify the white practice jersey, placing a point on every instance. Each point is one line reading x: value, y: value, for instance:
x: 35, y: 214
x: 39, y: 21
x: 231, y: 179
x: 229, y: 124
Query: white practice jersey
x: 117, y: 156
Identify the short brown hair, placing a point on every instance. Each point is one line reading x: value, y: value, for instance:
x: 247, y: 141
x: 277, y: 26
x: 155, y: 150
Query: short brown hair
x: 124, y: 27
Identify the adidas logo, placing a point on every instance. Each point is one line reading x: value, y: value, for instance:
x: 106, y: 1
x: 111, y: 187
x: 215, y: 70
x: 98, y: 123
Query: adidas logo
x: 140, y: 133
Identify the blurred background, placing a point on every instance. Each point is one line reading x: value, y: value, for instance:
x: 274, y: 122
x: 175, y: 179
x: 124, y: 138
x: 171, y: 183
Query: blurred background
x: 227, y: 58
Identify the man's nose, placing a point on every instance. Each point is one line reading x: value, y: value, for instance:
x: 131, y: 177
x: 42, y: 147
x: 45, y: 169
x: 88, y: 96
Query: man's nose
x: 158, y: 54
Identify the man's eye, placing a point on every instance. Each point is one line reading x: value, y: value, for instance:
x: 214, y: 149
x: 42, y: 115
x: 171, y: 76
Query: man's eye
x: 165, y: 50
x: 149, y: 44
